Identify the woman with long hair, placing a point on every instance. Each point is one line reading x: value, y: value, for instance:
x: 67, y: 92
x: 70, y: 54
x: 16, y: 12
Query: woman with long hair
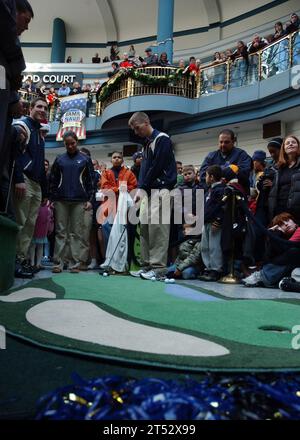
x: 285, y: 192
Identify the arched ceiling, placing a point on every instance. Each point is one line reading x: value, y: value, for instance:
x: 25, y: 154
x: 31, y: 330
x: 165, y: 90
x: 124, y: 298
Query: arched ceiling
x: 102, y: 21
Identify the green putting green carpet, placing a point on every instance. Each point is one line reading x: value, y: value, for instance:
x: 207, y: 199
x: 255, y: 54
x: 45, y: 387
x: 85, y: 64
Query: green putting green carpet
x: 152, y: 323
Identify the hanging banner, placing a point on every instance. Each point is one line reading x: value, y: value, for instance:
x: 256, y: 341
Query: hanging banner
x: 73, y: 114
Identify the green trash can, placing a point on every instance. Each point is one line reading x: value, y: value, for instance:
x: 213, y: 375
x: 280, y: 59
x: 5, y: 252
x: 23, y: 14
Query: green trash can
x: 8, y: 235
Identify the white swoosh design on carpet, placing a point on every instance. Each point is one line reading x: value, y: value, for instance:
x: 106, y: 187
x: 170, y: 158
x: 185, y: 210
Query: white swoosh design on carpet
x: 84, y: 321
x: 28, y: 293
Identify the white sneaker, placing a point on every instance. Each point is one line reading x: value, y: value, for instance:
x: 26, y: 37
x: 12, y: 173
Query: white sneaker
x: 150, y: 275
x: 253, y: 280
x: 93, y: 265
x: 137, y: 273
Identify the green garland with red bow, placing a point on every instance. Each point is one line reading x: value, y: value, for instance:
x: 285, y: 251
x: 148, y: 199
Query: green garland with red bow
x: 171, y: 79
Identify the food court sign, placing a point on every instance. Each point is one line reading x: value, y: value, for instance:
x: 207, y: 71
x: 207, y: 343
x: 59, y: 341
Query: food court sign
x: 53, y: 79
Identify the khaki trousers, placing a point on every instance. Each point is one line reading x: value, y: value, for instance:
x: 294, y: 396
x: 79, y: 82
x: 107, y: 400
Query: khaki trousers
x: 69, y: 217
x: 155, y: 229
x: 26, y: 214
x: 87, y: 221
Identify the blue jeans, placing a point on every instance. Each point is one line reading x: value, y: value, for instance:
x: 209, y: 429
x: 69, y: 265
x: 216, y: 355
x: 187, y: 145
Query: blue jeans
x: 189, y: 273
x: 271, y: 274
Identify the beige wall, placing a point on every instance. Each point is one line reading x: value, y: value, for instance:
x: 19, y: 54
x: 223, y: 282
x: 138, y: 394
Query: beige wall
x: 88, y: 26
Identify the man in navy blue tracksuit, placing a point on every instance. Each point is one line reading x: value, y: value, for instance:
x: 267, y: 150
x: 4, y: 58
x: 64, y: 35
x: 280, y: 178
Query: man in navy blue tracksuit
x: 226, y: 155
x: 158, y: 175
x: 30, y: 177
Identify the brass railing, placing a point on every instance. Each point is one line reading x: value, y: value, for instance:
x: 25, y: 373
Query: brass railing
x: 213, y: 78
x: 186, y: 86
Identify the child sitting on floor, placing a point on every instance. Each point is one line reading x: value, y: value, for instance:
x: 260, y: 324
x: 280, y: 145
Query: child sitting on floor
x: 188, y: 263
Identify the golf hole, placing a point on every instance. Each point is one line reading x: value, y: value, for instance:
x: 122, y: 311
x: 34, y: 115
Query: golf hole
x: 275, y: 329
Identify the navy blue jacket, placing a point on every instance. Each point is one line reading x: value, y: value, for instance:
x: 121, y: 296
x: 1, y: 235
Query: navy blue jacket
x: 31, y: 161
x: 158, y: 167
x: 213, y: 207
x: 237, y: 157
x: 72, y: 178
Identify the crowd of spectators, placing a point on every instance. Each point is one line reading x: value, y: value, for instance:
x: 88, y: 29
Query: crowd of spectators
x: 251, y: 205
x: 61, y: 227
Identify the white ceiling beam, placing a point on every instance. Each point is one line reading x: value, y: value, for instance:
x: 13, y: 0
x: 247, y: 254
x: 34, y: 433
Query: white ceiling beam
x: 109, y: 20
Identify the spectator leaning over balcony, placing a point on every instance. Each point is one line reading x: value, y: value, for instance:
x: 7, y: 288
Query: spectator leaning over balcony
x: 229, y: 55
x: 96, y: 59
x: 292, y: 25
x: 193, y: 68
x: 219, y: 71
x: 280, y: 51
x: 64, y: 90
x: 115, y: 69
x: 239, y: 69
x: 29, y: 86
x: 150, y: 58
x: 163, y: 60
x: 76, y: 89
x: 125, y: 64
x: 51, y: 97
x: 181, y: 64
x: 131, y: 52
x: 69, y: 59
x: 96, y: 86
x: 227, y: 155
x: 157, y: 178
x: 279, y: 31
x: 257, y: 44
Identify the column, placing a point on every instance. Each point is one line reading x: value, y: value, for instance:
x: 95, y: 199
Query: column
x: 58, y: 41
x: 165, y: 22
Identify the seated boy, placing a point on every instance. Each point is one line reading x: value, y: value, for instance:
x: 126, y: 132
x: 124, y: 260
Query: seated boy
x: 188, y: 262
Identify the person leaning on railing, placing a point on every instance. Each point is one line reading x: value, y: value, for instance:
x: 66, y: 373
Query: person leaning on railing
x: 239, y: 68
x: 163, y: 60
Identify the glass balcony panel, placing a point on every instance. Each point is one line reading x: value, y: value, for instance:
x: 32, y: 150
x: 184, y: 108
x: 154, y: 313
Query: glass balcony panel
x: 296, y: 48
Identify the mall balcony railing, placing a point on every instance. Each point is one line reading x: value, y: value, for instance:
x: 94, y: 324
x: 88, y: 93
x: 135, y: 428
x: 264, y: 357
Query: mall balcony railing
x: 275, y: 58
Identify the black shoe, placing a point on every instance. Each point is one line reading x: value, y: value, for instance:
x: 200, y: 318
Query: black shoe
x: 27, y: 267
x: 204, y: 275
x: 289, y: 284
x: 213, y: 275
x: 22, y: 272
